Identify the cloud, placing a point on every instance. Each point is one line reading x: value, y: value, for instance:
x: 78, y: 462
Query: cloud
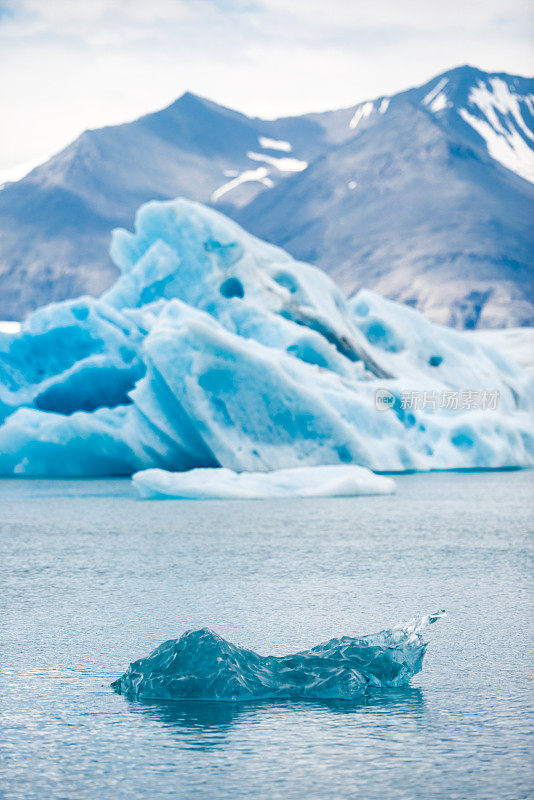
x: 73, y: 64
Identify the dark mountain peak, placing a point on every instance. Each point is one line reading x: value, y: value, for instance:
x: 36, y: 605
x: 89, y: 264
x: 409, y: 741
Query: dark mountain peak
x: 191, y: 104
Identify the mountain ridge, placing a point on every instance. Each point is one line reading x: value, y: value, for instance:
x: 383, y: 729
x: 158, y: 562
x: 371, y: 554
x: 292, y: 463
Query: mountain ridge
x: 55, y: 223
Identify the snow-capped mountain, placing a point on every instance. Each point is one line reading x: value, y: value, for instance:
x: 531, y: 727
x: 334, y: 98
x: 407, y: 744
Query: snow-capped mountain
x: 424, y: 196
x: 430, y: 202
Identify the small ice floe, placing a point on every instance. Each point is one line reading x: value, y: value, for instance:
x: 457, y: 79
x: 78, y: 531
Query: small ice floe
x: 334, y: 480
x: 201, y: 664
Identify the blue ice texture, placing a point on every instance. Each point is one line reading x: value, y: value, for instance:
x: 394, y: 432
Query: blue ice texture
x: 215, y: 349
x: 202, y: 665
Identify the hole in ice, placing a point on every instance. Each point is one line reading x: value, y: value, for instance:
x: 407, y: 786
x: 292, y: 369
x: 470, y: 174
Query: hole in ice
x: 232, y: 287
x: 435, y: 361
x: 344, y: 454
x: 288, y: 281
x: 381, y: 335
x: 80, y: 313
x: 361, y: 308
x: 463, y: 438
x: 306, y: 352
x: 33, y: 358
x: 89, y: 389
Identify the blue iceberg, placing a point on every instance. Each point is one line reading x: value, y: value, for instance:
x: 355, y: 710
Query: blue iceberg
x: 215, y: 349
x: 202, y: 665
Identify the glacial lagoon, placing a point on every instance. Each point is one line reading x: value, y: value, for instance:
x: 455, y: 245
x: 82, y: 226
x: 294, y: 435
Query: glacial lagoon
x: 93, y: 578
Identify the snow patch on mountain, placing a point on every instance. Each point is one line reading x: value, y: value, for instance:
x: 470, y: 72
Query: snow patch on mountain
x: 261, y: 174
x: 362, y: 112
x: 427, y: 100
x: 384, y: 105
x: 496, y: 115
x: 281, y: 164
x: 439, y: 103
x: 274, y: 144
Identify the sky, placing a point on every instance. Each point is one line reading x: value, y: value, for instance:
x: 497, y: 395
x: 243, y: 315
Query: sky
x: 69, y: 65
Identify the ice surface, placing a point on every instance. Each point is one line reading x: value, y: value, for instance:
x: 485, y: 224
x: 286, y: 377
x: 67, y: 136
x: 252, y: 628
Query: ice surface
x: 201, y: 664
x: 215, y: 349
x: 222, y: 483
x: 516, y: 344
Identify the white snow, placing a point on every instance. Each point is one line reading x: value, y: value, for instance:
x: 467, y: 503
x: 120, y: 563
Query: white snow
x: 503, y: 138
x: 274, y: 144
x: 261, y: 175
x: 384, y: 105
x: 500, y: 99
x: 516, y: 344
x: 362, y: 112
x: 9, y: 326
x: 506, y: 147
x: 19, y: 171
x: 281, y: 164
x: 439, y: 102
x: 225, y: 484
x: 435, y: 91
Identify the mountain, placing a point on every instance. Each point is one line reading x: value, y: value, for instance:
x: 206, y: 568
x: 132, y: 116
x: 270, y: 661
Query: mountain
x: 429, y: 203
x: 424, y: 196
x: 55, y: 223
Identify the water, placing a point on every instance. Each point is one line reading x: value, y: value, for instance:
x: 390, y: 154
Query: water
x: 93, y: 578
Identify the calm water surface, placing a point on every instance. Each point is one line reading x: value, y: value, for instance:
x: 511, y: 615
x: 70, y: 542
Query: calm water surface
x: 93, y: 578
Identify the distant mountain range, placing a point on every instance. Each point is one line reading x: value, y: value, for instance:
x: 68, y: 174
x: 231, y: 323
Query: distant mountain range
x: 425, y: 196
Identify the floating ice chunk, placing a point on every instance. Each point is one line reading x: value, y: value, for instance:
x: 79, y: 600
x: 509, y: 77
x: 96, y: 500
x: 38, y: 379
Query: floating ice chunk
x: 201, y: 664
x: 222, y: 484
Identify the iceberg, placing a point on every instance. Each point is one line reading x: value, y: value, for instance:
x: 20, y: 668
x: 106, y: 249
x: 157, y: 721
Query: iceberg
x: 216, y: 350
x: 202, y: 665
x: 225, y: 484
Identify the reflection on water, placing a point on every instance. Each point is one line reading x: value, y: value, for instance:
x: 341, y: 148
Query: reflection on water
x: 204, y: 724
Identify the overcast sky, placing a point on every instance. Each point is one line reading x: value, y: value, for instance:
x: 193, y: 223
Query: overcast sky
x: 68, y: 65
